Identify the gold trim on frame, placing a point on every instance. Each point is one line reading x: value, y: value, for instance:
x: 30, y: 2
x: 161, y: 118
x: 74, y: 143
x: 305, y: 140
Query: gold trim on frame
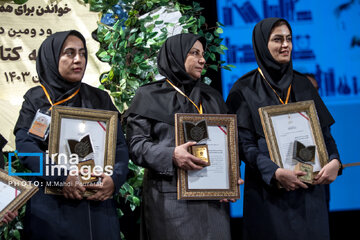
x: 27, y: 191
x: 228, y: 120
x: 305, y: 106
x: 109, y: 117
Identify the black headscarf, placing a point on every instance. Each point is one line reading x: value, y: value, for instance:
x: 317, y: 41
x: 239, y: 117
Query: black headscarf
x: 160, y: 101
x: 251, y: 91
x: 277, y: 74
x: 47, y: 63
x: 172, y: 56
x: 58, y: 88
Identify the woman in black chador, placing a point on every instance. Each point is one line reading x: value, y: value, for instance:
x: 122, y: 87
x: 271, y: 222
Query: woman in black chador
x: 60, y: 65
x: 296, y: 211
x: 151, y: 139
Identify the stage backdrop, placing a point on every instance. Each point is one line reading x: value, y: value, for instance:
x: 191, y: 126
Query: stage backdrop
x: 22, y: 30
x: 326, y: 42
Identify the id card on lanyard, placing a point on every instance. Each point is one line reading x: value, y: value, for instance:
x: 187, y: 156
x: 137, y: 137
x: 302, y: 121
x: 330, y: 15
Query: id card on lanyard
x: 41, y: 124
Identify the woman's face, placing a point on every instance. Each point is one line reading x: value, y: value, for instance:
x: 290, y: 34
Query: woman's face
x: 195, y: 62
x: 280, y: 44
x: 72, y: 59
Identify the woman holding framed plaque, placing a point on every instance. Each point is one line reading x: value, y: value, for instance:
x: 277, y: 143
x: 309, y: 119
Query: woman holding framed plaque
x: 277, y: 205
x: 151, y: 139
x: 60, y: 65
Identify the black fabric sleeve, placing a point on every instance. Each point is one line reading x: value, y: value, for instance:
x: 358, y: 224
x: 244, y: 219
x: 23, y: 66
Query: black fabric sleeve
x: 144, y: 151
x: 256, y: 154
x: 331, y: 146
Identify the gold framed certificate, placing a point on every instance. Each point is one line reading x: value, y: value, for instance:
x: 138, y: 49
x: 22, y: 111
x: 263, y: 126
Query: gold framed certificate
x: 294, y: 137
x: 86, y: 135
x: 14, y: 192
x: 219, y: 179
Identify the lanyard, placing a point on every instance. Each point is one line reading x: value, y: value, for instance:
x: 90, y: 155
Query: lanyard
x: 61, y: 101
x: 288, y: 92
x: 200, y: 110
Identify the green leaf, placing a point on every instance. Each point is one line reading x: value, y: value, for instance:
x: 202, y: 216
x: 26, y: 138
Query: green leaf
x: 213, y: 48
x: 196, y: 4
x: 223, y: 47
x: 132, y: 166
x: 214, y: 67
x: 111, y: 75
x: 122, y: 84
x: 206, y: 55
x: 219, y: 30
x: 191, y: 20
x: 149, y: 4
x: 218, y: 40
x: 133, y: 84
x: 132, y: 38
x: 119, y: 212
x: 20, y: 1
x: 106, y: 58
x: 143, y: 28
x: 156, y: 17
x: 132, y: 207
x: 202, y: 20
x: 187, y: 8
x: 138, y: 41
x: 6, y: 232
x: 136, y: 201
x: 232, y: 66
x: 122, y: 192
x: 128, y: 188
x: 115, y: 26
x: 153, y: 34
x: 219, y: 50
x: 182, y: 19
x: 226, y: 68
x: 177, y: 6
x: 209, y: 37
x: 16, y: 234
x: 107, y: 36
x: 121, y: 108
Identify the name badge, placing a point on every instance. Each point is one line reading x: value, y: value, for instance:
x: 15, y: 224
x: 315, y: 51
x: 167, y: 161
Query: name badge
x: 40, y: 125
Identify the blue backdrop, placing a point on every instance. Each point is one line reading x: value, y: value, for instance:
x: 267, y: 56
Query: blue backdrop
x: 326, y: 42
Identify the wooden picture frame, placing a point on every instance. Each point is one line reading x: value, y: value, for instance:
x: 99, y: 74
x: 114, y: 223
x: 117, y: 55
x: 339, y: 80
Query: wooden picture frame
x: 75, y: 124
x: 23, y: 191
x: 283, y: 124
x: 211, y: 183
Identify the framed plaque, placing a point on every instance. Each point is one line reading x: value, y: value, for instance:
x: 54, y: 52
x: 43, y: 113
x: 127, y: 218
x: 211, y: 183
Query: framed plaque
x: 218, y: 143
x: 89, y: 134
x: 14, y: 192
x: 294, y: 137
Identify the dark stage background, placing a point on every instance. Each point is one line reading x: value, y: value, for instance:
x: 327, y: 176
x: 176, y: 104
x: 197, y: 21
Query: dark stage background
x: 326, y: 42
